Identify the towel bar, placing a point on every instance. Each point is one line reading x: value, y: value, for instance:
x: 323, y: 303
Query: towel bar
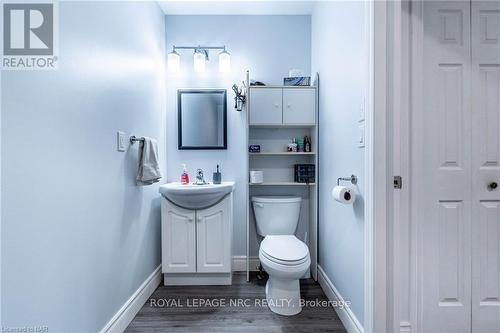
x: 134, y: 139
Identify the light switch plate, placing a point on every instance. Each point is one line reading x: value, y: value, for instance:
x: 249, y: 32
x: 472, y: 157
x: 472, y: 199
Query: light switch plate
x: 120, y: 141
x: 361, y: 136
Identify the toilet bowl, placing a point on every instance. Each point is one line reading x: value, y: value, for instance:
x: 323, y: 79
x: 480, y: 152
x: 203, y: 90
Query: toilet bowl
x: 286, y: 259
x: 282, y: 255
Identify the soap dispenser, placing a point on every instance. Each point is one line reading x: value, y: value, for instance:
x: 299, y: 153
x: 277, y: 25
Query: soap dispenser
x: 184, y: 176
x: 217, y: 177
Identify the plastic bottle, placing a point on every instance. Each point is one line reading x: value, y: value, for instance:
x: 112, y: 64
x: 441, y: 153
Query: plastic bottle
x: 300, y: 145
x: 184, y: 176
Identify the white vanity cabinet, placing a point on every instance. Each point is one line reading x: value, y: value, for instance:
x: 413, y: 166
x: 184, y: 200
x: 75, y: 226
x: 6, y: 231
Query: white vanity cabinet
x: 213, y: 232
x: 286, y: 106
x: 178, y: 228
x: 196, y: 244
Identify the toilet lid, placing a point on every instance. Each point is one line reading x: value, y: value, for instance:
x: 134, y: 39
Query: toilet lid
x: 284, y: 248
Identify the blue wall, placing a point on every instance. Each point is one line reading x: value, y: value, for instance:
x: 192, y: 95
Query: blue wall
x: 268, y: 46
x: 78, y: 237
x: 340, y: 55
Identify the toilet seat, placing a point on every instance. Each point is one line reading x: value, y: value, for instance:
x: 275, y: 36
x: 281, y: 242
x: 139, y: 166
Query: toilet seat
x: 286, y: 250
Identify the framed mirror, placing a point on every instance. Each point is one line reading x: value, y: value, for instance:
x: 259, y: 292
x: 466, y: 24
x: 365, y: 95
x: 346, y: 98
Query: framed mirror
x: 202, y: 122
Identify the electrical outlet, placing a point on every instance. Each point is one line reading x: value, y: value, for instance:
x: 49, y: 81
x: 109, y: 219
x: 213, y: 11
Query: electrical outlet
x: 120, y: 141
x: 361, y: 136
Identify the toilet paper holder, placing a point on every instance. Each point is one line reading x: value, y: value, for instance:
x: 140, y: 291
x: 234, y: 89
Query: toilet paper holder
x: 353, y: 179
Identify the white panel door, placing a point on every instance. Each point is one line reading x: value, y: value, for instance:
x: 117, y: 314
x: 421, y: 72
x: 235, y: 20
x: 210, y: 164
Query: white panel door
x: 178, y: 239
x: 266, y: 106
x: 214, y: 238
x: 299, y: 106
x: 445, y: 222
x: 486, y: 166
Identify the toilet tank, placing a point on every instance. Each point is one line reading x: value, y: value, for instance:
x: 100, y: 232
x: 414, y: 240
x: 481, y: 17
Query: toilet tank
x: 276, y: 215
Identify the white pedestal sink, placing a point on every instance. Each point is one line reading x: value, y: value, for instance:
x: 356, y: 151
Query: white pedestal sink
x: 196, y: 196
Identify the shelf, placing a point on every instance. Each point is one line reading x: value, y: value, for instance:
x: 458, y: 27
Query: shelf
x: 283, y: 153
x: 282, y: 184
x: 278, y: 86
x: 281, y: 125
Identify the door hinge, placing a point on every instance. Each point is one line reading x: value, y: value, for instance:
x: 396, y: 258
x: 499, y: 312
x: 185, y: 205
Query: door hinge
x: 398, y: 182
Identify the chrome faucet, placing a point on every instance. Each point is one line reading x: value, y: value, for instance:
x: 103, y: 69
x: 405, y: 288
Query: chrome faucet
x: 200, y: 179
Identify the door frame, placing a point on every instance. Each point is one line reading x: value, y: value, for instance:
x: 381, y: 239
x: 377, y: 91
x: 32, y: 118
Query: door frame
x: 406, y: 96
x: 379, y: 173
x: 393, y: 83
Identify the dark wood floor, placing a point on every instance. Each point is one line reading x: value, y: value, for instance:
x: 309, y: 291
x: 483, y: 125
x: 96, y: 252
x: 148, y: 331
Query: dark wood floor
x: 161, y: 317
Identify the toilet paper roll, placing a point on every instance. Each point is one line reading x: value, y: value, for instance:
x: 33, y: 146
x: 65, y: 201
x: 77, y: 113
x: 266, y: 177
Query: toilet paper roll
x: 256, y: 177
x: 344, y: 194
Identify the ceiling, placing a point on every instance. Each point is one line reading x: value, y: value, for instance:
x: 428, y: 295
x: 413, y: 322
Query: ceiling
x: 237, y: 7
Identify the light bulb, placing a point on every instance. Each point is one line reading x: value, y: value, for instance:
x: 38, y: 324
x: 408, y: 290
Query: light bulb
x: 199, y: 61
x: 224, y: 62
x: 174, y: 62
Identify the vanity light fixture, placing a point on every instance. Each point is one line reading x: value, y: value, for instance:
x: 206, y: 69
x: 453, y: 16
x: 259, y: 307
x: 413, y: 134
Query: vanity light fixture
x: 224, y: 61
x: 174, y: 62
x: 200, y: 58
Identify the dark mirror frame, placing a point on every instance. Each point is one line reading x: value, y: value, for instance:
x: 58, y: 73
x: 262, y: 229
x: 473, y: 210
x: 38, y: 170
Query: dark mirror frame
x: 179, y: 116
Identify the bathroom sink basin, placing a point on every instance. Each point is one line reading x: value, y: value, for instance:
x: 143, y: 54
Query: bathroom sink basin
x: 195, y: 196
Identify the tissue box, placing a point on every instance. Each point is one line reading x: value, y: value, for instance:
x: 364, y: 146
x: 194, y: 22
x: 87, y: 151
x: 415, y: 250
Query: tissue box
x: 297, y: 81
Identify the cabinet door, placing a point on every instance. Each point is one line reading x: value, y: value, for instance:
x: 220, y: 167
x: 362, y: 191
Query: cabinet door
x: 299, y: 106
x: 214, y: 238
x: 266, y: 106
x: 178, y: 245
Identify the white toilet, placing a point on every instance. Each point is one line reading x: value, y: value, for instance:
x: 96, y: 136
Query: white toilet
x: 282, y: 255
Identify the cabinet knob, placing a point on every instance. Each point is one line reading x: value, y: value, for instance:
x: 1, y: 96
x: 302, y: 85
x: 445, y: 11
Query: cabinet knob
x: 276, y: 105
x: 493, y: 185
x: 288, y: 106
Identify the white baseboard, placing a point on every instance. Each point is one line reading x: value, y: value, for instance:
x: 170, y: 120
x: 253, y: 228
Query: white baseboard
x: 240, y: 263
x: 345, y: 314
x: 127, y: 312
x: 197, y: 279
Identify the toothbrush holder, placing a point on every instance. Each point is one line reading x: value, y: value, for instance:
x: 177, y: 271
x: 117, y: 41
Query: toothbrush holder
x: 217, y: 178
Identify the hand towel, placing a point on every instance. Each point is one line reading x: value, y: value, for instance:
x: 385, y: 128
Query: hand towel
x: 149, y: 168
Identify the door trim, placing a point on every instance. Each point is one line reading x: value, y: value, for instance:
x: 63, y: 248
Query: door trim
x: 401, y: 266
x: 378, y: 173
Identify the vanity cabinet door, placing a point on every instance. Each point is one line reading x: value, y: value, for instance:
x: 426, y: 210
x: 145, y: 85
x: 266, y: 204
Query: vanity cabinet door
x: 299, y: 106
x: 178, y: 231
x: 214, y: 234
x: 266, y: 106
